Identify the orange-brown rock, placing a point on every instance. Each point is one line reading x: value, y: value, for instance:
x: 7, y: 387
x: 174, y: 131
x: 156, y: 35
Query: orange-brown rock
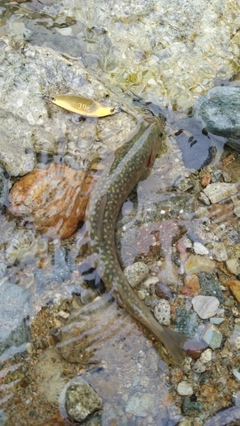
x: 54, y: 199
x: 235, y: 288
x: 191, y: 286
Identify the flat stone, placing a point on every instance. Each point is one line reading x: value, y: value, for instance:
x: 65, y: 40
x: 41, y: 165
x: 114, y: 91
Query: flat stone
x: 196, y: 263
x: 142, y: 404
x: 219, y: 191
x: 205, y: 306
x: 162, y: 312
x: 136, y: 273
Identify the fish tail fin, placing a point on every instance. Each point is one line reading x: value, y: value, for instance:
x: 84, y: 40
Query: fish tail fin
x: 174, y: 343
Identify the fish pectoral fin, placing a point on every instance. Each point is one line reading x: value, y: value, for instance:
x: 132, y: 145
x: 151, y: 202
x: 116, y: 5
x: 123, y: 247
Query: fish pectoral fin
x: 100, y: 216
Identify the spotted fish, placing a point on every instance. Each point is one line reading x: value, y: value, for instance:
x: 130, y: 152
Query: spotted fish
x: 130, y: 163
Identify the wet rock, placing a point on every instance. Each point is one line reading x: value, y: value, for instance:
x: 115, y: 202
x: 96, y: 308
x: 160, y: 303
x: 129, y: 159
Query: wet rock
x: 234, y: 287
x: 24, y: 246
x: 219, y: 112
x: 212, y: 336
x: 162, y: 312
x: 216, y: 320
x: 191, y: 283
x: 199, y: 248
x: 184, y: 389
x: 205, y: 306
x: 136, y: 273
x: 162, y: 290
x: 196, y: 263
x: 191, y: 407
x: 210, y: 285
x: 26, y: 116
x: 142, y: 404
x: 233, y: 266
x: 206, y: 356
x: 81, y: 401
x: 54, y: 199
x: 15, y: 308
x: 199, y: 367
x: 236, y: 203
x: 219, y: 252
x: 219, y: 191
x: 3, y: 188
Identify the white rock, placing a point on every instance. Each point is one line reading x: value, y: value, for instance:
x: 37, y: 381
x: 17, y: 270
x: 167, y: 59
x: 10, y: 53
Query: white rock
x: 205, y: 306
x: 136, y: 273
x: 184, y: 388
x: 199, y: 367
x: 206, y: 356
x: 199, y: 248
x: 162, y: 312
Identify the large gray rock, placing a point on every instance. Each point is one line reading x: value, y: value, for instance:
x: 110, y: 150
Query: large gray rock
x: 32, y: 128
x: 15, y: 307
x: 219, y: 113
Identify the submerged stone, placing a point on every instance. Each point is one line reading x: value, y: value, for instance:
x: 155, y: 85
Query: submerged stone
x: 219, y: 191
x: 81, y: 401
x: 205, y: 306
x: 212, y: 336
x: 142, y: 404
x: 219, y: 113
x: 15, y: 308
x: 54, y: 199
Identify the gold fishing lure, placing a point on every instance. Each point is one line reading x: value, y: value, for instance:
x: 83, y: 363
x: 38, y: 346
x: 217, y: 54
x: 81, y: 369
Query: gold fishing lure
x: 83, y: 106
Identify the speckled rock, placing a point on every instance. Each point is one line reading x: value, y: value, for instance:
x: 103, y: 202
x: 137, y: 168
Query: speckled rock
x: 219, y: 191
x: 162, y: 312
x: 81, y: 401
x: 136, y: 273
x: 142, y: 404
x: 205, y: 306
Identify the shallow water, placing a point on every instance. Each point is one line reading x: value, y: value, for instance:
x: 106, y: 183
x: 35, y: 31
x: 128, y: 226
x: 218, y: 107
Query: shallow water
x: 167, y: 55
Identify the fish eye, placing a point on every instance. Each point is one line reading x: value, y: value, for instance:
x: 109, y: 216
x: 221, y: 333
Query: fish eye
x: 160, y: 134
x: 112, y: 110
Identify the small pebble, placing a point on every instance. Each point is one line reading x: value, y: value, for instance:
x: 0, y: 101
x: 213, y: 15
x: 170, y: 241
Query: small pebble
x: 234, y: 288
x: 163, y: 291
x: 199, y: 367
x: 196, y: 264
x: 212, y: 336
x: 219, y: 252
x: 233, y: 266
x: 205, y: 306
x: 236, y: 373
x: 216, y: 320
x: 184, y: 389
x: 162, y: 312
x: 199, y: 248
x: 206, y: 356
x: 136, y: 273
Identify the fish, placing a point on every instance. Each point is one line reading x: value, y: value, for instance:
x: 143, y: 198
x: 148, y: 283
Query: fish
x: 83, y: 106
x: 130, y: 164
